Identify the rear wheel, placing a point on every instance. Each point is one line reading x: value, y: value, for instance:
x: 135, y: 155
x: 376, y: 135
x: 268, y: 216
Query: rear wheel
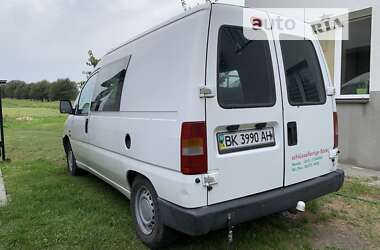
x: 146, y: 215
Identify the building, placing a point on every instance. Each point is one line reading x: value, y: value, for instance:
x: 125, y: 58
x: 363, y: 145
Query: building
x: 355, y: 70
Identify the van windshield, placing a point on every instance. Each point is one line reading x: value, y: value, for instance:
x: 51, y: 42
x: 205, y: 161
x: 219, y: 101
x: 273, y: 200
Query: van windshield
x: 245, y: 71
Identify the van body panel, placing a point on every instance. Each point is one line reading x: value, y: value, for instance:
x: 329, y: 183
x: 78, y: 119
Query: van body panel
x: 201, y: 7
x: 251, y: 171
x: 169, y: 185
x: 160, y: 92
x: 310, y: 157
x: 162, y: 126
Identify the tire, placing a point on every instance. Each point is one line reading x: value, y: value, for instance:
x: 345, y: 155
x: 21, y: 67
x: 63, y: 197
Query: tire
x: 146, y: 215
x: 72, y: 167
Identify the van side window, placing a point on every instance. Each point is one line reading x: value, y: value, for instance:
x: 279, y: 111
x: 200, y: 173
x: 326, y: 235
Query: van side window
x: 84, y: 101
x: 304, y: 79
x: 109, y: 86
x: 245, y: 71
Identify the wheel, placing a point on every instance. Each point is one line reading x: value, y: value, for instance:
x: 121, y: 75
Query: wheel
x: 146, y: 215
x: 71, y: 163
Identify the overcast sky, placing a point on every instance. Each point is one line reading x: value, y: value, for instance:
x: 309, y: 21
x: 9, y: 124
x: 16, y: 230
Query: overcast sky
x: 49, y: 39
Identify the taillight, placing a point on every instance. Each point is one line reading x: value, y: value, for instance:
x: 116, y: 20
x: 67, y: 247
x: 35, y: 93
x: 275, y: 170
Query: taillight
x: 193, y: 148
x: 336, y: 137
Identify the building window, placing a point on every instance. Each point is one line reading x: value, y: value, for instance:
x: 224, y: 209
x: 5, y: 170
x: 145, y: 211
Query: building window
x: 355, y: 56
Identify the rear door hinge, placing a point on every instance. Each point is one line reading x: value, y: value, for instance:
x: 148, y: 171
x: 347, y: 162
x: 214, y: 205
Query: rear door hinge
x: 210, y: 179
x: 205, y: 92
x: 331, y: 91
x: 333, y: 154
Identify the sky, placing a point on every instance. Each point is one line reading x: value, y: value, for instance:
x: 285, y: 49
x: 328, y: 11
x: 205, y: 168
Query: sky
x: 49, y: 39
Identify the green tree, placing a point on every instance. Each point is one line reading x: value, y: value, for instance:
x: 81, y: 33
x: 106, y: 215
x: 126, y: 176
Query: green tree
x: 11, y: 87
x: 81, y: 84
x: 63, y: 89
x: 22, y: 91
x: 92, y: 62
x: 40, y: 90
x: 25, y: 90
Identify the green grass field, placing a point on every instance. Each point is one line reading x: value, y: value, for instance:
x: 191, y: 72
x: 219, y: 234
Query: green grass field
x: 49, y: 209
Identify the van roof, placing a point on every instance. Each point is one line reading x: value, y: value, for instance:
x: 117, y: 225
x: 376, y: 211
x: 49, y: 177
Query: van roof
x: 159, y: 26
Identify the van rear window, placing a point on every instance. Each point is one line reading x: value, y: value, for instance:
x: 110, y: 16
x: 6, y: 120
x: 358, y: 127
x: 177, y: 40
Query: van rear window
x: 304, y: 78
x: 245, y: 71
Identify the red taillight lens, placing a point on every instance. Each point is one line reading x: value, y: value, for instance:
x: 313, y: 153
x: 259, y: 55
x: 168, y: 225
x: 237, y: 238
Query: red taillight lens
x: 336, y: 137
x: 193, y: 148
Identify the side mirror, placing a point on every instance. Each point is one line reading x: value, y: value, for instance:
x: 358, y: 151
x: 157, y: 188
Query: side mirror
x: 65, y: 107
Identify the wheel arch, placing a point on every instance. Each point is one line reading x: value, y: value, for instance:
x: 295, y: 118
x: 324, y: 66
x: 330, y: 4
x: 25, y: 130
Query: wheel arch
x: 66, y: 143
x: 131, y: 176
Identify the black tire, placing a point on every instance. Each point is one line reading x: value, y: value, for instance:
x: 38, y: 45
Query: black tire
x: 72, y: 167
x: 157, y: 235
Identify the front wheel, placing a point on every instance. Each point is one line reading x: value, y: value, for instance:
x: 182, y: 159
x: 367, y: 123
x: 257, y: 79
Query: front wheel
x: 146, y: 215
x: 72, y: 163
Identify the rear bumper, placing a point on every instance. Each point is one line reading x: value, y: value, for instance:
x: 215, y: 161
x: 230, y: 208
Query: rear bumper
x: 202, y: 220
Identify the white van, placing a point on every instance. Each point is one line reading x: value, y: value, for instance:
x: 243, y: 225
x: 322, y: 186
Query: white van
x: 201, y: 127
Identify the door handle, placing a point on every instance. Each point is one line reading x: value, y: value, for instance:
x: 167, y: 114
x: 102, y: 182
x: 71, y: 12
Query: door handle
x: 128, y: 141
x: 86, y: 126
x: 292, y: 134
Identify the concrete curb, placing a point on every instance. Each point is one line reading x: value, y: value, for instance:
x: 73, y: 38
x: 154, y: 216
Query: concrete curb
x: 354, y: 171
x: 3, y: 194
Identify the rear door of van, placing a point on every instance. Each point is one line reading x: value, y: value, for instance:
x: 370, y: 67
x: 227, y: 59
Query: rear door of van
x: 308, y: 110
x: 245, y: 119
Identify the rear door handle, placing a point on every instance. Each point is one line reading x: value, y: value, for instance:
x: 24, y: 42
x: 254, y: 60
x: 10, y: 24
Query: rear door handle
x: 292, y: 134
x: 86, y: 126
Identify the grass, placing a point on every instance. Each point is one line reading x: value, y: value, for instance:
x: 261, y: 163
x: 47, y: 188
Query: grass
x: 49, y: 209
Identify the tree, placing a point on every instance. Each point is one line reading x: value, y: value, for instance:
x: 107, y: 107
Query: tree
x: 81, y: 84
x: 63, y: 89
x: 23, y: 91
x: 11, y: 87
x: 92, y: 60
x: 40, y: 90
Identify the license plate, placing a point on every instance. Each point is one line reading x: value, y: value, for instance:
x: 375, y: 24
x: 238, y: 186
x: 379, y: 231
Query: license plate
x: 245, y: 140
